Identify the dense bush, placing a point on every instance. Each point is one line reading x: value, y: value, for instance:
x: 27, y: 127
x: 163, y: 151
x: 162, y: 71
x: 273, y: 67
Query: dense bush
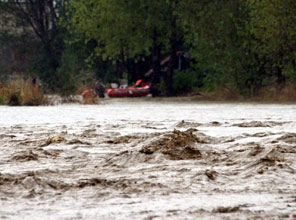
x: 184, y: 82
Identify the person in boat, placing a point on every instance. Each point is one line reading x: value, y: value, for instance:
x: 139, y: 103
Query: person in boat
x: 141, y: 83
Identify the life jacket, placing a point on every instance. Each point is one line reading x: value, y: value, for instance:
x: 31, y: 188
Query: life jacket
x: 88, y: 93
x: 138, y: 83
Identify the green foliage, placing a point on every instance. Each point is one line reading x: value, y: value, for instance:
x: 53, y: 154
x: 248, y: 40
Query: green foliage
x: 272, y: 24
x: 214, y: 80
x: 159, y: 89
x: 184, y: 82
x: 226, y: 39
x: 113, y: 24
x: 120, y: 26
x: 218, y: 37
x: 289, y: 72
x: 45, y: 68
x: 67, y: 74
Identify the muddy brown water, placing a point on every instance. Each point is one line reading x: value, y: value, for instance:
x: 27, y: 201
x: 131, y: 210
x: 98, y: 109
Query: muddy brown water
x: 148, y: 159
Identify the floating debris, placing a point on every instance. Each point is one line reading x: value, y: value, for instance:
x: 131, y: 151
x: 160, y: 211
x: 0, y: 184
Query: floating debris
x: 53, y: 140
x: 211, y: 174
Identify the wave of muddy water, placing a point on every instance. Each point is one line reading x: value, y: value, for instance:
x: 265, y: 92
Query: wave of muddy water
x: 145, y: 159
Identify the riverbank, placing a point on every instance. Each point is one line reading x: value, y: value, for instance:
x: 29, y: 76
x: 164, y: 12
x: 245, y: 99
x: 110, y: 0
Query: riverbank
x: 285, y: 94
x: 269, y: 94
x: 272, y: 94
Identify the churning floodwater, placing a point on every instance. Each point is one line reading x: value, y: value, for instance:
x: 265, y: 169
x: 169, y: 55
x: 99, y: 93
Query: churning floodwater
x: 148, y: 159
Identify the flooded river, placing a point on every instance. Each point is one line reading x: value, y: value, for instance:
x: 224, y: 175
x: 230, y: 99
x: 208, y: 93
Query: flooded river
x: 148, y: 159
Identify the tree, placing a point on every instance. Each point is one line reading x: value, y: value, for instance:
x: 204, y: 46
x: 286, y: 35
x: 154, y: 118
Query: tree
x: 220, y: 40
x: 42, y: 19
x: 272, y: 23
x: 41, y: 16
x: 111, y: 24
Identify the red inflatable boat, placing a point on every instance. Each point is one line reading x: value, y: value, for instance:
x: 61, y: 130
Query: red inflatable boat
x: 140, y: 89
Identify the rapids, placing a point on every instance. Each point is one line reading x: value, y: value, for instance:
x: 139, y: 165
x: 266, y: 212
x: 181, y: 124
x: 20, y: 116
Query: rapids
x: 148, y: 159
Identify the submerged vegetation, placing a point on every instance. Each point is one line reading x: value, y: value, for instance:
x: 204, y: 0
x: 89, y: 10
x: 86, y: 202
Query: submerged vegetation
x: 242, y: 46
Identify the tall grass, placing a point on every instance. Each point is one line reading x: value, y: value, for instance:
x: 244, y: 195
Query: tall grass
x: 3, y: 95
x: 21, y: 92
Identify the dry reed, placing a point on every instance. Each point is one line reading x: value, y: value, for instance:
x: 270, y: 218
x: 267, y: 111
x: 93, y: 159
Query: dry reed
x: 21, y: 92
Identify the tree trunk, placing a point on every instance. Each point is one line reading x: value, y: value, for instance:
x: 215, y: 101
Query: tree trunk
x: 156, y: 74
x: 119, y: 70
x: 294, y: 65
x: 281, y: 79
x: 120, y: 66
x: 172, y: 61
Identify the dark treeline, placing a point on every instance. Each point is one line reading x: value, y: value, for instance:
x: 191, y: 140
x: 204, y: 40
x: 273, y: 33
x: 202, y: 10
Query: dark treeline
x: 242, y: 45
